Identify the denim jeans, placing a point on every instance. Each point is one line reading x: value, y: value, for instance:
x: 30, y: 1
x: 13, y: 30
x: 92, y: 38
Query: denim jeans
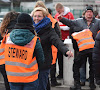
x: 25, y: 86
x: 83, y: 73
x: 43, y: 79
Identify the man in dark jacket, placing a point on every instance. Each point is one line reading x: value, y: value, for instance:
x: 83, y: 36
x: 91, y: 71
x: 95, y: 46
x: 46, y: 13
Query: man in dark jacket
x: 87, y: 22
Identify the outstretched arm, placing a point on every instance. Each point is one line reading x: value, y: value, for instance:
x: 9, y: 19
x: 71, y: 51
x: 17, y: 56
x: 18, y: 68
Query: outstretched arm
x: 66, y: 21
x: 54, y: 39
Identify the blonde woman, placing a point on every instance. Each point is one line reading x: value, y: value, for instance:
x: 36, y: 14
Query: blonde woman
x: 55, y: 52
x: 55, y: 24
x: 48, y: 37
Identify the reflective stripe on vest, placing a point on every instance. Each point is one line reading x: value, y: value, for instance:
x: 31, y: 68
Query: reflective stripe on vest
x: 20, y: 66
x: 2, y: 56
x: 2, y: 49
x: 22, y: 74
x: 84, y: 39
x: 86, y: 44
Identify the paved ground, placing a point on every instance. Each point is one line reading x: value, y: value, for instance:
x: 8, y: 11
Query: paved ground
x: 2, y: 87
x: 62, y: 87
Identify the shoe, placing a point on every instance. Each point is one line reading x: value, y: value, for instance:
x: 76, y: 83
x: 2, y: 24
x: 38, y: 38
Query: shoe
x: 59, y: 77
x: 76, y: 86
x: 55, y: 84
x: 87, y: 80
x: 92, y: 86
x: 82, y: 83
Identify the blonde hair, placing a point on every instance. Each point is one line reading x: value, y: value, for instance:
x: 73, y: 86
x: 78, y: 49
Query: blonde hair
x: 39, y: 9
x: 59, y: 6
x: 41, y: 4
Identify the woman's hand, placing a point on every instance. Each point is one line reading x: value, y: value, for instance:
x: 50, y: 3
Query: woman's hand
x: 69, y: 53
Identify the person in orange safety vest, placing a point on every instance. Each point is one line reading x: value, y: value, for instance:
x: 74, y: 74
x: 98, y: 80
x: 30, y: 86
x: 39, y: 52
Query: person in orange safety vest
x: 84, y: 39
x: 23, y: 55
x: 6, y: 26
x: 56, y: 27
x: 85, y: 44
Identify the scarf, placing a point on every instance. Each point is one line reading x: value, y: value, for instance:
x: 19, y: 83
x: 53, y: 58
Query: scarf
x: 40, y: 25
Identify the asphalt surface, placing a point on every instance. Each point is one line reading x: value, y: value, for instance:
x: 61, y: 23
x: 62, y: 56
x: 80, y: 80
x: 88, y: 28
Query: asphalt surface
x: 2, y: 87
x: 62, y: 87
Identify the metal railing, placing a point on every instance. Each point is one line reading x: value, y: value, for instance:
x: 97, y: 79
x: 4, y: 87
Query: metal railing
x: 76, y: 13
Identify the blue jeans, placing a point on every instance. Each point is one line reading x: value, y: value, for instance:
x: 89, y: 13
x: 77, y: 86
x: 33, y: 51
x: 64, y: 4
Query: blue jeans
x: 43, y: 79
x: 83, y: 73
x: 25, y: 86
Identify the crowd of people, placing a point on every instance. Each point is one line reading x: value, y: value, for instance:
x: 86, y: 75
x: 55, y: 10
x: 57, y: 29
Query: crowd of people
x: 31, y: 45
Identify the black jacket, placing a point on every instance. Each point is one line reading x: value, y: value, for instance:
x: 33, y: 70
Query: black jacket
x: 96, y: 58
x: 49, y: 37
x: 57, y: 29
x: 80, y: 24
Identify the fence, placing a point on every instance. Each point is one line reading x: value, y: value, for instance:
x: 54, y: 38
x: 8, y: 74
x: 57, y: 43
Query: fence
x: 76, y: 13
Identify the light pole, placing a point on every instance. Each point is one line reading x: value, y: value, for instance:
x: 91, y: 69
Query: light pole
x: 11, y: 5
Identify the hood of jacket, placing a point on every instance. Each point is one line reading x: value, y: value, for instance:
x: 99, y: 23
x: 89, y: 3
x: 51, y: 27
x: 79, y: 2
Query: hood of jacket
x: 21, y: 36
x: 66, y: 10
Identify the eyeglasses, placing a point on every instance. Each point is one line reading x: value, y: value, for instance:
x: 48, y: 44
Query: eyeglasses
x: 38, y: 16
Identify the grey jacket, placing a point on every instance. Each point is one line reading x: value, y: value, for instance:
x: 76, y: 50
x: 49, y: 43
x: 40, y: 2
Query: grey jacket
x: 82, y: 23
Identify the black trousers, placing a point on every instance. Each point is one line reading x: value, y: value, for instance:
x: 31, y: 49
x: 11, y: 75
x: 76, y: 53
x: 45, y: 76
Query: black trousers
x: 52, y: 76
x: 3, y: 72
x: 78, y: 62
x: 60, y: 63
x: 53, y: 73
x: 48, y: 85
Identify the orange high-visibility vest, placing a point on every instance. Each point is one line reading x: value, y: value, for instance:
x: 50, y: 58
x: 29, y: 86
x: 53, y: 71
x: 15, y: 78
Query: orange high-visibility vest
x: 2, y: 49
x: 52, y: 20
x: 98, y: 31
x: 84, y: 39
x: 54, y: 49
x: 54, y: 53
x: 20, y: 66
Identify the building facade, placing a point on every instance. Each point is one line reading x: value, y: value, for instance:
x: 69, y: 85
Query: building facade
x: 76, y: 6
